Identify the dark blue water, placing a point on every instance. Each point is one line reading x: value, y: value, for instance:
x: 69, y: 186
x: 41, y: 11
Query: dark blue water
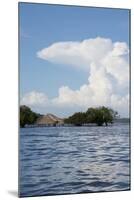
x: 66, y: 160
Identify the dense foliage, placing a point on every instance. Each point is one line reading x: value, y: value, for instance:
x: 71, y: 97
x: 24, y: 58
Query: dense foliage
x: 77, y: 119
x: 100, y: 116
x: 27, y: 116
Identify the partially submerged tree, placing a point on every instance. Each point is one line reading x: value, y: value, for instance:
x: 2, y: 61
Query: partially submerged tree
x: 77, y: 119
x: 108, y: 115
x: 100, y: 115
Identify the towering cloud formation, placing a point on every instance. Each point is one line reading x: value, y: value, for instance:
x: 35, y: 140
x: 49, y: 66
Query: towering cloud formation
x: 108, y: 66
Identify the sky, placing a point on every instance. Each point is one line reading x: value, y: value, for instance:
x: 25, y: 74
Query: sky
x: 73, y: 58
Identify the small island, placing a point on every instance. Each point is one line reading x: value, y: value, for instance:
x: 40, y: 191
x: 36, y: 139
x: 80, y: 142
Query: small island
x: 93, y: 116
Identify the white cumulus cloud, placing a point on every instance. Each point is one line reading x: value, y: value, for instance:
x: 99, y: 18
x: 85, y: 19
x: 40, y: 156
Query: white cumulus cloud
x: 78, y: 54
x: 34, y: 98
x: 106, y: 62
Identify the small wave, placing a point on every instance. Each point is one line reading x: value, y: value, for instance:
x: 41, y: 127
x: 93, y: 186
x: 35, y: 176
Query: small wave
x: 42, y: 169
x: 122, y: 185
x: 115, y: 160
x: 100, y: 184
x: 69, y: 184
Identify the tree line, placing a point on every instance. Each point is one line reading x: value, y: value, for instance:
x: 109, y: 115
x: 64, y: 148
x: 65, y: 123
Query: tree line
x: 100, y: 115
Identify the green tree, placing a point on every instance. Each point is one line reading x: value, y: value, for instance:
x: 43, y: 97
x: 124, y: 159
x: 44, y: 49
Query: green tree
x: 77, y: 119
x: 27, y: 116
x: 101, y: 115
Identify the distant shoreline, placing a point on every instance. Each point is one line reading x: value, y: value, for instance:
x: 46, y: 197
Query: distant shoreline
x: 97, y: 116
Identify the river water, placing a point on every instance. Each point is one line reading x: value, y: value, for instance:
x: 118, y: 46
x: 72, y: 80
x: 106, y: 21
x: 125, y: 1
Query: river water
x: 66, y: 160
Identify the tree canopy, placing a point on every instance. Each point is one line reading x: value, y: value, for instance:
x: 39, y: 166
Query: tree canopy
x: 100, y: 115
x: 76, y: 119
x: 27, y: 116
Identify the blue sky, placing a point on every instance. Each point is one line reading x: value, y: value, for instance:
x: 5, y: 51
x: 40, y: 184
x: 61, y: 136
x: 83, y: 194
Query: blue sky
x: 41, y: 25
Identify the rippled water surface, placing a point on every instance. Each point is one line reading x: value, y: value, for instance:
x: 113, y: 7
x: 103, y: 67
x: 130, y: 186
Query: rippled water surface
x: 65, y: 160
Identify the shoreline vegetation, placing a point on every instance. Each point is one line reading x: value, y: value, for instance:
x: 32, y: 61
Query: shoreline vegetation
x: 93, y: 116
